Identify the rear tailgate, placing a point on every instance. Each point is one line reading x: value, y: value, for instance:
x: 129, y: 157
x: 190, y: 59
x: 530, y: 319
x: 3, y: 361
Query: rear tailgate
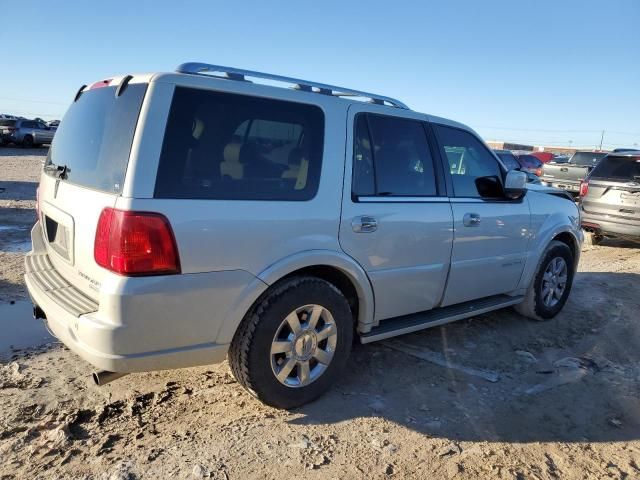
x: 564, y: 174
x: 83, y: 174
x: 614, y: 199
x: 614, y: 188
x: 68, y: 219
x: 6, y: 126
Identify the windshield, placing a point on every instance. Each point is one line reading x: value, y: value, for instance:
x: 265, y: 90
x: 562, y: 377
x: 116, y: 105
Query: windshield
x: 586, y: 159
x: 92, y: 144
x: 624, y: 168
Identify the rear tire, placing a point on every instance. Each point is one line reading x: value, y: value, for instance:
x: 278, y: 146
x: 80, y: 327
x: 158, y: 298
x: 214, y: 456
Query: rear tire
x: 27, y: 141
x: 285, y: 369
x: 551, y: 284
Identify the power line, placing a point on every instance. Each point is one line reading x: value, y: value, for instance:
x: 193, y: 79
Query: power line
x: 32, y: 101
x: 555, y: 130
x: 22, y: 112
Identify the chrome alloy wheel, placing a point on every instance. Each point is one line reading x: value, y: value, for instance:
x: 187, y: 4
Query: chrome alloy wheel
x: 554, y: 281
x: 303, y: 346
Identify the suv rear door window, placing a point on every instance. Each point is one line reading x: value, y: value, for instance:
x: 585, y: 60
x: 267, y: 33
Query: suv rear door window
x: 94, y: 139
x: 235, y: 147
x: 468, y: 159
x: 391, y: 158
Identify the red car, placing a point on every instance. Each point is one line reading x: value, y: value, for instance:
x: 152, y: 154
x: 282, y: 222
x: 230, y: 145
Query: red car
x: 544, y: 157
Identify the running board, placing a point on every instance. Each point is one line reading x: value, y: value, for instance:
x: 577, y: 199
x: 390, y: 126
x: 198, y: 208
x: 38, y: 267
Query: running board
x: 393, y: 327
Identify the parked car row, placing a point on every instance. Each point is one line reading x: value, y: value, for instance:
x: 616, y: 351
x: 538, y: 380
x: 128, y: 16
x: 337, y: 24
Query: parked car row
x: 568, y: 176
x: 24, y: 132
x: 527, y: 163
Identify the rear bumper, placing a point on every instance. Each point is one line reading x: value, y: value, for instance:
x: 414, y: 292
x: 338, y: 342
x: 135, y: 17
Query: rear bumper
x: 604, y: 225
x: 141, y: 324
x: 568, y: 185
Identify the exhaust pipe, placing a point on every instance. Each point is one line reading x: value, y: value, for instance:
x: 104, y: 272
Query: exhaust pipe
x: 103, y: 377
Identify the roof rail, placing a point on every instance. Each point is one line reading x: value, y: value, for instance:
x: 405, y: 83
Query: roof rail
x: 232, y: 73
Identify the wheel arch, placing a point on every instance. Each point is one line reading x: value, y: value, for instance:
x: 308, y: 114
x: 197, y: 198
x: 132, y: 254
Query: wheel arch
x: 336, y: 268
x: 570, y: 240
x: 562, y: 232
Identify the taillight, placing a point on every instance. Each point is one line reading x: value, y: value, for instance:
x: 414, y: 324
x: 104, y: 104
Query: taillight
x: 135, y: 243
x: 539, y: 172
x: 584, y: 188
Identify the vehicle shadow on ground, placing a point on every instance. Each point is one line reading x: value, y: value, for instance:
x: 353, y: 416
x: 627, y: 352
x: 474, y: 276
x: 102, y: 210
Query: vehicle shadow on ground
x: 620, y: 243
x: 17, y: 190
x: 573, y: 379
x: 23, y: 152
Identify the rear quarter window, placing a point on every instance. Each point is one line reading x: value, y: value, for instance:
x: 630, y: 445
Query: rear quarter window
x: 223, y: 146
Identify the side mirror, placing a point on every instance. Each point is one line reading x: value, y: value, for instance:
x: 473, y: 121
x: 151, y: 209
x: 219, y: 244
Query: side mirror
x: 515, y: 184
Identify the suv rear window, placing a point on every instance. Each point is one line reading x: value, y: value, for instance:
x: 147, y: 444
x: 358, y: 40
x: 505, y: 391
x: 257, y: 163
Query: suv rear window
x: 224, y: 146
x: 509, y: 160
x: 94, y: 138
x: 623, y: 168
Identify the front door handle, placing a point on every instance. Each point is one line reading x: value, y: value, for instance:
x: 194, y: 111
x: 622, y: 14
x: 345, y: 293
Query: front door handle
x: 364, y: 224
x: 471, y: 220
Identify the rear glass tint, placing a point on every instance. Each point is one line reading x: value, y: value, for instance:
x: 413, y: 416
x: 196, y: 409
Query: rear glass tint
x: 236, y: 147
x: 530, y: 161
x: 586, y: 158
x: 94, y: 138
x: 621, y: 168
x: 7, y: 123
x: 509, y: 160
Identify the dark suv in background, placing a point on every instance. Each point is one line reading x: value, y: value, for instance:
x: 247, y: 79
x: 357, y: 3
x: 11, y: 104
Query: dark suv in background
x: 610, y: 197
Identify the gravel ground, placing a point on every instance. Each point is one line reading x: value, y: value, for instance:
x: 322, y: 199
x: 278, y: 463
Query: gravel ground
x: 496, y: 396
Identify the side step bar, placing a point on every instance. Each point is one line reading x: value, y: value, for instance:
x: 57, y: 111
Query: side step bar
x: 418, y: 321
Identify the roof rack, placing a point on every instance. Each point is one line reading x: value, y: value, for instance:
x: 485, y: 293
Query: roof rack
x: 303, y: 85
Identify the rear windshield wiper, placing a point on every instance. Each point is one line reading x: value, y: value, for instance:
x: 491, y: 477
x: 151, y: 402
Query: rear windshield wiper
x: 59, y: 171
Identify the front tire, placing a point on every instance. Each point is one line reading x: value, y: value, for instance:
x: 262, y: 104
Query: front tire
x: 551, y: 284
x: 294, y: 343
x: 27, y: 141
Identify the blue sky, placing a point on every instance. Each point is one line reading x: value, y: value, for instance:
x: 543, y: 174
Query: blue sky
x: 547, y: 71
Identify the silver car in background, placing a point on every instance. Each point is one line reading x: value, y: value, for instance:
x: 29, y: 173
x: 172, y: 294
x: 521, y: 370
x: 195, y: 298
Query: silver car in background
x: 27, y: 133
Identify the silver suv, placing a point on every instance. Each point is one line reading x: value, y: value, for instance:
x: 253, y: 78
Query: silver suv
x: 190, y: 216
x: 28, y: 133
x: 610, y: 197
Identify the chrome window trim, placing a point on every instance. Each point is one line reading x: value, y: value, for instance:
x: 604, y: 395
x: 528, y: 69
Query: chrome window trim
x: 379, y: 199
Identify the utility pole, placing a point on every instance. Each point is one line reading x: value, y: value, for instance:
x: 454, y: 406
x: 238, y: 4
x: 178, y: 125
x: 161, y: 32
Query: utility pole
x: 601, y: 138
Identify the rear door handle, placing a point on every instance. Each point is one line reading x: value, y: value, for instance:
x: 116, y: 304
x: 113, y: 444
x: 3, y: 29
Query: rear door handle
x: 471, y: 220
x: 364, y: 224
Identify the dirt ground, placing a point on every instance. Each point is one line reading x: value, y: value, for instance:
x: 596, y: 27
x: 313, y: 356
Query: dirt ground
x: 494, y: 397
